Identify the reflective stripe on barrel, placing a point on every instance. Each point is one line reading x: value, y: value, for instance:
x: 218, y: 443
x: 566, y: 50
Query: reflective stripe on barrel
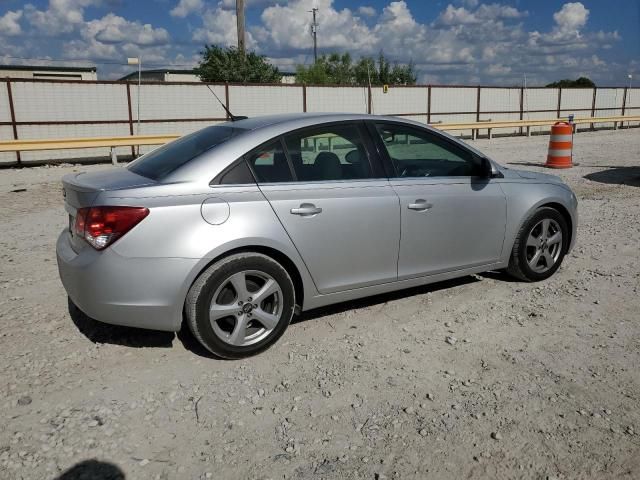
x: 560, y: 146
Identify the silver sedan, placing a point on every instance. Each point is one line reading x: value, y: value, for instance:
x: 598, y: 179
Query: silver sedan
x: 239, y: 226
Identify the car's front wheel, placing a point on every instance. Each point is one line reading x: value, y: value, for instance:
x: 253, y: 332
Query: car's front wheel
x: 540, y: 246
x: 240, y: 305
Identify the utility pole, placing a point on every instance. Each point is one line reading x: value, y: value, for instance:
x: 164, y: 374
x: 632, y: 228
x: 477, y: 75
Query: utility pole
x: 314, y: 33
x: 240, y: 21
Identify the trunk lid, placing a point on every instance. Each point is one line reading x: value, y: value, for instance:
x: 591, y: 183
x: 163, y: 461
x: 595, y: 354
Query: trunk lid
x: 81, y: 189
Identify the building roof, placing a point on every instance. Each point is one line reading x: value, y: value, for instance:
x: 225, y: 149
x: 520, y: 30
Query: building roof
x: 158, y: 70
x: 47, y: 68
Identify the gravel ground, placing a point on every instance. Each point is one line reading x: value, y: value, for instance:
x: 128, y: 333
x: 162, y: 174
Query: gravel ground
x: 542, y: 381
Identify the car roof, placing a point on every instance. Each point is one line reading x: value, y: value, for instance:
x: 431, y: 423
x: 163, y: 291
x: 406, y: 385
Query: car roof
x: 255, y: 123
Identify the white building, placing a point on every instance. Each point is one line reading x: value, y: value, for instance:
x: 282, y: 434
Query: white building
x: 162, y: 75
x: 168, y: 75
x: 46, y: 72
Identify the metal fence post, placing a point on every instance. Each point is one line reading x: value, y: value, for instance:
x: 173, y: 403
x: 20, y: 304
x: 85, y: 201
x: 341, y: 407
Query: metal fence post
x: 429, y: 104
x: 593, y: 106
x: 475, y: 133
x: 13, y: 119
x: 369, y: 99
x: 521, y: 106
x: 133, y: 149
x: 624, y: 104
x: 559, y: 101
x: 304, y: 97
x: 226, y: 98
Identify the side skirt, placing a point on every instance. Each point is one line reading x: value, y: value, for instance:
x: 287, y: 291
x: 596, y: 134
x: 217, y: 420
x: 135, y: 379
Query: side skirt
x: 346, y: 295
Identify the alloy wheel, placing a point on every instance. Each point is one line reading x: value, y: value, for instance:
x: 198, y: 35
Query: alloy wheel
x: 544, y: 245
x: 246, y: 308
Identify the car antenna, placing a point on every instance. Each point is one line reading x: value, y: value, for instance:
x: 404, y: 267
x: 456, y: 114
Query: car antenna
x: 231, y: 115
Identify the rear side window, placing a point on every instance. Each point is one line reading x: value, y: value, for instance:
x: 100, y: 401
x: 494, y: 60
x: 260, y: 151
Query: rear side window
x: 166, y: 159
x: 269, y: 163
x: 236, y: 175
x: 328, y: 153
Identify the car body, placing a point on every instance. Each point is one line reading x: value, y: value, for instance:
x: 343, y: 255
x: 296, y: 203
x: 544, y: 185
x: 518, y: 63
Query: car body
x: 340, y: 239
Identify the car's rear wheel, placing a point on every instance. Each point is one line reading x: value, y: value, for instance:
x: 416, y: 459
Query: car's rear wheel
x: 540, y: 246
x: 240, y: 305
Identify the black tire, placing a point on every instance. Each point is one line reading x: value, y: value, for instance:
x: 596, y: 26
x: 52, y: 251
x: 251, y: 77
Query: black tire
x: 207, y: 284
x: 518, y: 264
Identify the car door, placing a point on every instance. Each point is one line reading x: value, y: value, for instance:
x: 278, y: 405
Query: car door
x: 337, y: 207
x: 452, y: 215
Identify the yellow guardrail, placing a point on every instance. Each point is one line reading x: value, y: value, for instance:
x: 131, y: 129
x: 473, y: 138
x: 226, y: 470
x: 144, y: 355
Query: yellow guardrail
x: 490, y: 125
x: 135, y: 140
x: 84, y: 142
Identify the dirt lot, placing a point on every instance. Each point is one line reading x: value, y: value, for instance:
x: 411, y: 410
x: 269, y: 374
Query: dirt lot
x: 543, y: 381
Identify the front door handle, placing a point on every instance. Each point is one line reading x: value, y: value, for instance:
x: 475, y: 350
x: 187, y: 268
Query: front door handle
x: 306, y: 210
x: 420, y: 205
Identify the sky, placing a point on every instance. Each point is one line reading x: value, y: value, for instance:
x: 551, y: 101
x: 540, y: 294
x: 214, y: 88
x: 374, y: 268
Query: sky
x: 449, y: 42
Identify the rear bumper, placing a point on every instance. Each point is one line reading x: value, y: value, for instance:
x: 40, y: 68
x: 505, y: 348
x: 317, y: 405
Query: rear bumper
x: 134, y: 292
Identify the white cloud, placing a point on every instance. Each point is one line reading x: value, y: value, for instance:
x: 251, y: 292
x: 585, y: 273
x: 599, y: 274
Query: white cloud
x: 219, y: 27
x: 571, y: 18
x: 457, y: 16
x: 61, y: 16
x: 288, y: 27
x: 115, y: 29
x: 492, y: 12
x: 187, y: 7
x: 367, y: 11
x: 10, y: 23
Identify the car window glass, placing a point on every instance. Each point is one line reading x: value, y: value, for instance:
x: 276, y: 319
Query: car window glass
x: 162, y: 161
x: 328, y: 153
x: 416, y: 153
x: 270, y: 165
x: 237, y: 175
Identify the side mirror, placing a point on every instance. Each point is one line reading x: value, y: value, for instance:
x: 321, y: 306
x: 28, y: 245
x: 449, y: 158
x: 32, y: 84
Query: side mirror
x: 489, y: 170
x: 388, y: 137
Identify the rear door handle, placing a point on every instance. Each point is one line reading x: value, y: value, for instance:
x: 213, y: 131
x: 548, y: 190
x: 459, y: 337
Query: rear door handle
x: 306, y: 210
x: 420, y: 205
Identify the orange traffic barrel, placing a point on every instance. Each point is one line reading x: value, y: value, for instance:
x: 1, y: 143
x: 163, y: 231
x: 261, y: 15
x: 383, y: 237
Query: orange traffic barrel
x: 560, y: 146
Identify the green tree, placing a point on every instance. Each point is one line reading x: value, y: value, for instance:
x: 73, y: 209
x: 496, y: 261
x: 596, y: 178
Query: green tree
x: 582, y: 82
x: 339, y: 69
x: 221, y: 64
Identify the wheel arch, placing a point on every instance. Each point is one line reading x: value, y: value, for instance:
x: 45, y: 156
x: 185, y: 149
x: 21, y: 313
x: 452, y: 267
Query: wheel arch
x: 277, y: 255
x: 565, y: 214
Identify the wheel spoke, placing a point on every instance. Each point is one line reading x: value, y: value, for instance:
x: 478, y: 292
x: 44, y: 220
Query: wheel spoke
x: 217, y: 311
x: 555, y: 238
x: 239, y: 331
x: 269, y: 288
x: 532, y: 241
x: 548, y: 259
x: 535, y: 259
x: 545, y: 229
x: 268, y: 320
x: 239, y: 282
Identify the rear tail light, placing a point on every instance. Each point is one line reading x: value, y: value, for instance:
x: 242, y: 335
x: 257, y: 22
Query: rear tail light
x: 101, y: 226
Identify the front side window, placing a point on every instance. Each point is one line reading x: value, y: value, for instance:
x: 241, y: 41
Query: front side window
x: 269, y: 163
x: 328, y: 153
x: 162, y: 161
x: 417, y: 153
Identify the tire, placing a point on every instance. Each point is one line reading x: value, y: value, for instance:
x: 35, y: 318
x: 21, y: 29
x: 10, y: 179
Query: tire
x: 226, y: 319
x: 532, y: 239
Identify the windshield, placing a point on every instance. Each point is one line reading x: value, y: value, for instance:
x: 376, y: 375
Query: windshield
x: 164, y: 160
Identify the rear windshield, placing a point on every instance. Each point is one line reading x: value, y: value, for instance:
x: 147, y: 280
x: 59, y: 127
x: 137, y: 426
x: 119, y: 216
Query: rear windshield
x: 164, y: 160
